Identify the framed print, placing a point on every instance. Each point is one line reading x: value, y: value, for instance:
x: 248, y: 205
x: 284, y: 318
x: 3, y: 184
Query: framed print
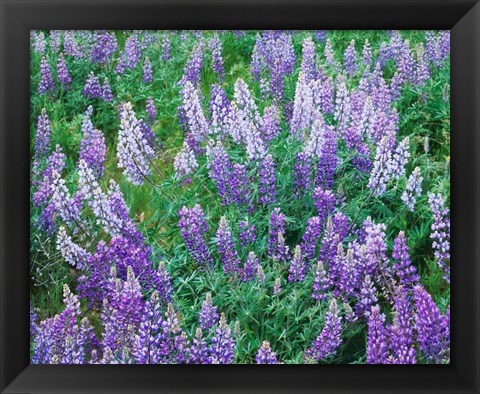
x: 192, y: 189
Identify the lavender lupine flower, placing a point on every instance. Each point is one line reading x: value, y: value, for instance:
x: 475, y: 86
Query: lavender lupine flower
x: 265, y: 355
x: 150, y: 109
x: 199, y: 349
x: 166, y: 55
x: 413, y: 189
x: 303, y: 114
x: 350, y: 59
x: 343, y: 108
x: 147, y: 339
x: 193, y: 226
x: 72, y: 253
x: 444, y: 37
x: 55, y: 40
x: 330, y: 55
x: 377, y: 337
x: 400, y: 158
x: 320, y: 283
x: 320, y: 35
x: 185, y: 162
x: 67, y: 207
x: 422, y: 71
x: 246, y: 103
x: 303, y: 175
x: 380, y: 174
x: 367, y: 54
x: 314, y: 144
x: 255, y: 146
x: 220, y: 170
x: 440, y: 232
x: 222, y: 344
x: 209, y: 314
x: 92, y: 88
x: 401, y: 331
x: 270, y: 123
x: 324, y: 201
x: 432, y: 328
x: 267, y: 186
x: 297, y: 266
x: 93, y: 148
x: 219, y: 110
x: 107, y: 91
x: 329, y: 245
x: 42, y: 137
x: 46, y: 84
x: 406, y: 272
x: 328, y: 341
x: 62, y: 72
x: 308, y: 60
x: 195, y: 117
x: 70, y: 46
x: 226, y: 248
x: 248, y: 233
x: 215, y: 46
x: 38, y: 41
x: 367, y: 297
x: 251, y: 267
x: 133, y: 150
x: 104, y: 46
x: 130, y: 56
x: 327, y: 162
x: 147, y: 72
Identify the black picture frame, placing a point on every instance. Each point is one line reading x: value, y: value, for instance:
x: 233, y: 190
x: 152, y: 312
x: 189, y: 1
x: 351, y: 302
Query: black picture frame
x: 17, y: 17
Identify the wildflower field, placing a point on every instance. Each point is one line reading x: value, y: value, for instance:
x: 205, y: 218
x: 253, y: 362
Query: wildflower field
x: 223, y: 197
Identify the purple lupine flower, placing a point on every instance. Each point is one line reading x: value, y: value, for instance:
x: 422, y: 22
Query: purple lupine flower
x: 239, y: 185
x: 193, y: 67
x: 380, y: 174
x: 267, y: 186
x: 92, y: 88
x: 209, y: 314
x: 270, y: 123
x: 329, y: 340
x: 406, y: 272
x: 323, y: 93
x: 312, y: 234
x: 107, y: 91
x: 303, y: 113
x: 432, y: 328
x: 422, y: 71
x: 199, y: 349
x: 46, y: 84
x: 265, y: 355
x: 133, y: 150
x: 320, y: 35
x: 248, y: 233
x: 193, y: 226
x: 42, y: 137
x: 226, y: 248
x: 444, y: 47
x: 166, y: 48
x: 324, y: 201
x: 401, y: 331
x: 297, y: 266
x: 348, y: 280
x: 130, y: 56
x: 33, y: 322
x: 62, y: 72
x: 276, y: 227
x: 150, y: 109
x: 320, y: 283
x: 440, y: 232
x: 303, y: 175
x: 147, y: 72
x: 308, y: 60
x: 256, y: 63
x: 367, y: 297
x: 215, y: 46
x: 222, y: 344
x: 185, y: 162
x: 367, y: 54
x: 413, y: 189
x: 38, y: 41
x: 93, y: 148
x: 329, y: 245
x: 195, y: 117
x: 251, y: 267
x: 327, y: 162
x: 104, y: 46
x: 220, y: 170
x: 377, y: 337
x: 146, y: 341
x: 350, y: 59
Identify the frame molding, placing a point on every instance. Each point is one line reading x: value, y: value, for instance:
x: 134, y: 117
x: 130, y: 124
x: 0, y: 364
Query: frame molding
x: 19, y: 16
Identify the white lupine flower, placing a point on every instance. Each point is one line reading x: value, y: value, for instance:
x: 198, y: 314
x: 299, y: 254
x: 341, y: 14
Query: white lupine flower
x: 185, y: 162
x: 413, y: 189
x: 70, y: 251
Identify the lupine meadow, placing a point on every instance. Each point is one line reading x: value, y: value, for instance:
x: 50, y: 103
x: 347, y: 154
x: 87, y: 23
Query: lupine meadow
x: 222, y: 197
